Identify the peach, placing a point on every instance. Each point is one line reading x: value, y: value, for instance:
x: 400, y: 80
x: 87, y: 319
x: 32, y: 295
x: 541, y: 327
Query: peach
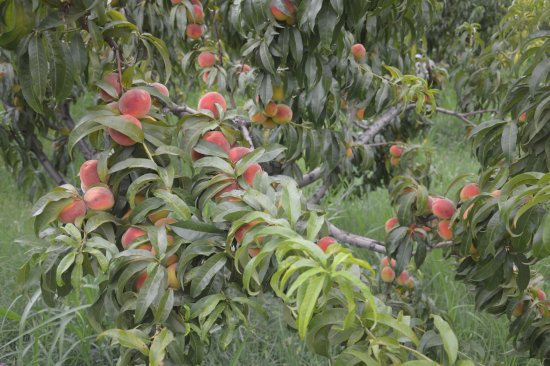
x: 360, y: 113
x: 467, y: 212
x: 250, y: 173
x: 173, y: 281
x: 281, y: 15
x: 541, y: 295
x: 99, y: 198
x: 269, y: 123
x: 277, y: 13
x: 135, y: 102
x: 270, y: 109
x: 358, y: 51
x: 349, y: 152
x: 140, y: 280
x: 283, y: 114
x: 258, y: 117
x: 386, y: 262
x: 218, y: 138
x: 193, y: 31
x: 209, y: 101
x: 387, y: 274
x: 131, y: 235
x: 88, y: 174
x: 157, y: 215
x: 518, y: 309
x: 113, y: 106
x: 236, y: 153
x: 391, y: 223
x: 394, y: 161
x: 72, y: 211
x: 121, y: 138
x: 147, y: 247
x: 445, y: 230
x: 197, y: 16
x: 161, y: 88
x: 325, y: 242
x: 166, y: 221
x: 443, y: 208
x: 396, y: 151
x: 174, y: 2
x: 205, y: 77
x: 171, y: 260
x: 114, y: 80
x: 278, y: 93
x: 496, y: 193
x: 522, y: 118
x: 470, y: 190
x: 231, y: 187
x: 239, y: 235
x: 403, y: 278
x: 254, y: 251
x: 206, y: 59
x: 245, y: 68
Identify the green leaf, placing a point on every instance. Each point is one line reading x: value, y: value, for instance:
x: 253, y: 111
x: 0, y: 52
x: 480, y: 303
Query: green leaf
x: 38, y: 66
x: 133, y: 163
x: 158, y: 347
x: 266, y: 58
x: 123, y: 126
x: 63, y: 266
x: 541, y: 240
x: 132, y: 338
x: 308, y: 303
x: 314, y: 225
x: 291, y: 202
x: 62, y: 70
x: 178, y: 206
x: 450, y: 343
x: 164, y: 53
x: 204, y: 274
x: 508, y: 141
x: 155, y: 282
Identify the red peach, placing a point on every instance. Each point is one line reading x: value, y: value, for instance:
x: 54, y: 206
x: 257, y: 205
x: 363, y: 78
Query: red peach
x: 470, y: 190
x: 99, y: 198
x: 161, y: 88
x: 394, y: 161
x: 166, y: 221
x: 386, y: 262
x: 209, y: 101
x: 250, y: 173
x: 173, y: 281
x: 541, y: 295
x: 283, y: 114
x: 193, y: 31
x: 157, y: 215
x: 245, y: 68
x: 131, y: 235
x: 140, y: 280
x: 443, y: 208
x: 88, y: 174
x: 403, y: 278
x: 239, y: 234
x: 72, y: 211
x: 391, y: 223
x: 197, y: 16
x: 236, y: 153
x: 258, y: 117
x: 277, y: 13
x: 518, y: 309
x: 522, y: 118
x: 325, y: 242
x: 114, y: 80
x: 270, y: 109
x: 360, y: 113
x: 387, y: 274
x: 121, y: 138
x: 358, y: 51
x: 205, y: 77
x: 231, y: 187
x: 496, y: 193
x: 171, y: 260
x: 206, y: 59
x: 135, y: 102
x: 396, y: 151
x: 254, y: 251
x: 445, y: 230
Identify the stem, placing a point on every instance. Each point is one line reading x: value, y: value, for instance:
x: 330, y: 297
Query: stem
x: 118, y: 58
x: 46, y: 163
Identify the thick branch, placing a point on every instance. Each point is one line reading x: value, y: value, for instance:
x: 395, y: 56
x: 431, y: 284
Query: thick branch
x: 356, y: 240
x: 46, y: 163
x: 318, y: 195
x: 310, y: 177
x: 382, y: 121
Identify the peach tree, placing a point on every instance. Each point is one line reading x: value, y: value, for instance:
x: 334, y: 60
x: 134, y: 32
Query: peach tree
x: 184, y: 215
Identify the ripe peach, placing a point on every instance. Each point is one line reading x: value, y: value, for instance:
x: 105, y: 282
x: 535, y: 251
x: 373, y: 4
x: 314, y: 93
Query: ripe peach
x: 161, y: 88
x: 541, y: 295
x: 113, y: 106
x: 231, y: 187
x: 387, y: 274
x: 173, y: 281
x: 114, y: 80
x: 283, y: 114
x: 157, y: 215
x: 197, y: 16
x: 360, y: 113
x: 443, y: 208
x: 358, y: 51
x: 140, y: 280
x: 270, y: 109
x: 171, y: 260
x: 278, y: 93
x: 251, y: 172
x: 147, y: 247
x: 496, y: 193
x: 258, y: 117
x: 88, y: 174
x: 325, y: 242
x: 174, y: 2
x: 391, y: 223
x: 205, y: 77
x: 72, y: 211
x: 99, y: 198
x: 193, y: 31
x: 518, y: 309
x: 131, y: 235
x: 403, y: 278
x: 269, y: 124
x: 386, y: 262
x: 277, y: 13
x: 121, y: 138
x: 209, y: 101
x: 165, y: 222
x: 445, y: 230
x: 206, y: 59
x: 218, y: 138
x: 236, y: 153
x: 239, y: 235
x: 245, y: 68
x: 135, y: 102
x: 396, y: 151
x: 394, y: 161
x: 522, y: 118
x: 254, y: 251
x: 470, y: 190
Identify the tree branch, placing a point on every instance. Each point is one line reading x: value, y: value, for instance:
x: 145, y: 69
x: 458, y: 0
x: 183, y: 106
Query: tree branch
x: 46, y: 163
x: 310, y: 177
x: 462, y: 116
x: 83, y: 145
x: 116, y: 50
x: 356, y: 240
x: 382, y: 121
x: 318, y: 195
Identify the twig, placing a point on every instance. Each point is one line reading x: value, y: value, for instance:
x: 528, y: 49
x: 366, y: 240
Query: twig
x: 116, y: 50
x: 310, y: 177
x: 462, y: 116
x: 46, y: 163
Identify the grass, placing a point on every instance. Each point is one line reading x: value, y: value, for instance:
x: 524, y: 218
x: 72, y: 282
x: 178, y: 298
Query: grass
x: 31, y: 333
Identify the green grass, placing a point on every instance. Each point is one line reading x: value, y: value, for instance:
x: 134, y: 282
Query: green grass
x: 35, y: 334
